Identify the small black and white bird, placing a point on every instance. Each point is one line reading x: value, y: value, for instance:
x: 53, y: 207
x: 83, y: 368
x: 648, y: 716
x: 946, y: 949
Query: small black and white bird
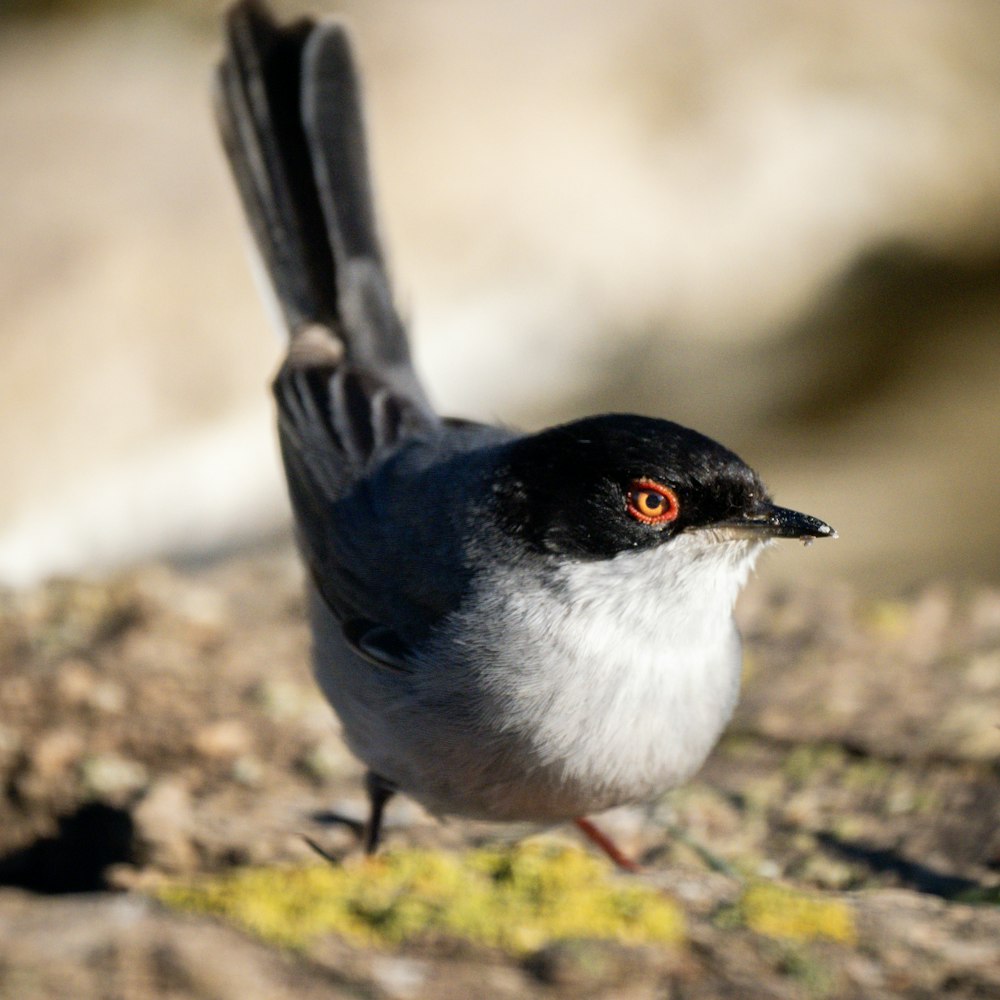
x: 509, y: 626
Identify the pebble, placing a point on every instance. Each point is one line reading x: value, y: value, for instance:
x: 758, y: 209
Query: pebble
x: 78, y: 684
x: 223, y: 740
x: 400, y: 978
x: 324, y: 761
x: 248, y: 771
x: 280, y: 699
x: 109, y: 776
x: 584, y: 964
x: 10, y: 743
x: 164, y: 820
x: 55, y: 752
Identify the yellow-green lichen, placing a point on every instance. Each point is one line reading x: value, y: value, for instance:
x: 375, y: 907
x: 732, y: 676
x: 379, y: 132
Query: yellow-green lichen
x: 888, y: 619
x: 817, y: 979
x: 808, y: 761
x: 517, y: 899
x: 866, y: 775
x: 780, y: 912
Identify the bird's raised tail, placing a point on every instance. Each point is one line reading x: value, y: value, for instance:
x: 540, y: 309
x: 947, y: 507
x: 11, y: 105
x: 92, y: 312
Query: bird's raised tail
x: 288, y: 105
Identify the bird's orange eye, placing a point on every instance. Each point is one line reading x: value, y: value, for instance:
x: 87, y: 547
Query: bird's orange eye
x: 652, y: 502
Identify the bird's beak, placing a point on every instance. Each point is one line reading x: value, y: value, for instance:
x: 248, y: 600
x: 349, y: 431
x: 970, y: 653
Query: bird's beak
x: 769, y: 521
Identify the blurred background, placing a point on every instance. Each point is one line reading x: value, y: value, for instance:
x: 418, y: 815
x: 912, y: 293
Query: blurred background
x: 777, y: 221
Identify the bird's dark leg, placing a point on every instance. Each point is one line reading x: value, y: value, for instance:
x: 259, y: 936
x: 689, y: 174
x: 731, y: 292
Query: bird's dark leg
x: 606, y: 844
x: 379, y: 792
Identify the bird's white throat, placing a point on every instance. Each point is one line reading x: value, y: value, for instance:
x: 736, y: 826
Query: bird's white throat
x: 642, y: 664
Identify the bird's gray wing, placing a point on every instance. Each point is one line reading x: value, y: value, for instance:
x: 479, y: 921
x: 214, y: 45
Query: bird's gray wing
x: 289, y: 110
x: 391, y: 556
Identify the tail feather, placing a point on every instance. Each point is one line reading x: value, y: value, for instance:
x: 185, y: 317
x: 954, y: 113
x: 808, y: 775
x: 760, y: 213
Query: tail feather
x: 289, y: 110
x: 288, y: 103
x: 257, y: 107
x: 331, y: 105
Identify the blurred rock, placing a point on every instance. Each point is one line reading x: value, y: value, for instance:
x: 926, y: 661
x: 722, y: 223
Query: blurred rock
x: 900, y: 680
x: 779, y: 223
x: 54, y: 753
x: 164, y: 824
x: 225, y: 739
x: 851, y: 765
x: 584, y: 967
x: 77, y: 683
x: 400, y: 978
x: 126, y: 946
x: 112, y: 777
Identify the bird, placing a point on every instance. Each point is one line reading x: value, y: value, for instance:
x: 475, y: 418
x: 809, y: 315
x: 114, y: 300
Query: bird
x: 512, y: 627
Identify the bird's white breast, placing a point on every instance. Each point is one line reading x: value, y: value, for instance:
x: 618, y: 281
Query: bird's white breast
x: 630, y: 668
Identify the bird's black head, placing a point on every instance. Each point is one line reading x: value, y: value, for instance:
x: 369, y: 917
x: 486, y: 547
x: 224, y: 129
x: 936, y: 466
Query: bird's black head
x: 608, y: 484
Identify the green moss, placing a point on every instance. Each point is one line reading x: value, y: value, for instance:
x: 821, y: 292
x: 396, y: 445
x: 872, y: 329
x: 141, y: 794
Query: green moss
x: 866, y: 775
x: 816, y: 977
x: 517, y: 899
x: 926, y: 800
x: 808, y: 761
x: 69, y: 617
x: 981, y: 895
x: 780, y: 912
x: 887, y: 619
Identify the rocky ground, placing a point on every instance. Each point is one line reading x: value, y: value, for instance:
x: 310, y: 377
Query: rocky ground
x: 162, y: 727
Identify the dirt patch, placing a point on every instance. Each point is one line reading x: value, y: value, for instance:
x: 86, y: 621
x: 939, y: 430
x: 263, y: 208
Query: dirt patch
x: 162, y: 727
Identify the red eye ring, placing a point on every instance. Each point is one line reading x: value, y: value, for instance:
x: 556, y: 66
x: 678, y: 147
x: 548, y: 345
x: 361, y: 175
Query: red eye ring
x: 651, y: 502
